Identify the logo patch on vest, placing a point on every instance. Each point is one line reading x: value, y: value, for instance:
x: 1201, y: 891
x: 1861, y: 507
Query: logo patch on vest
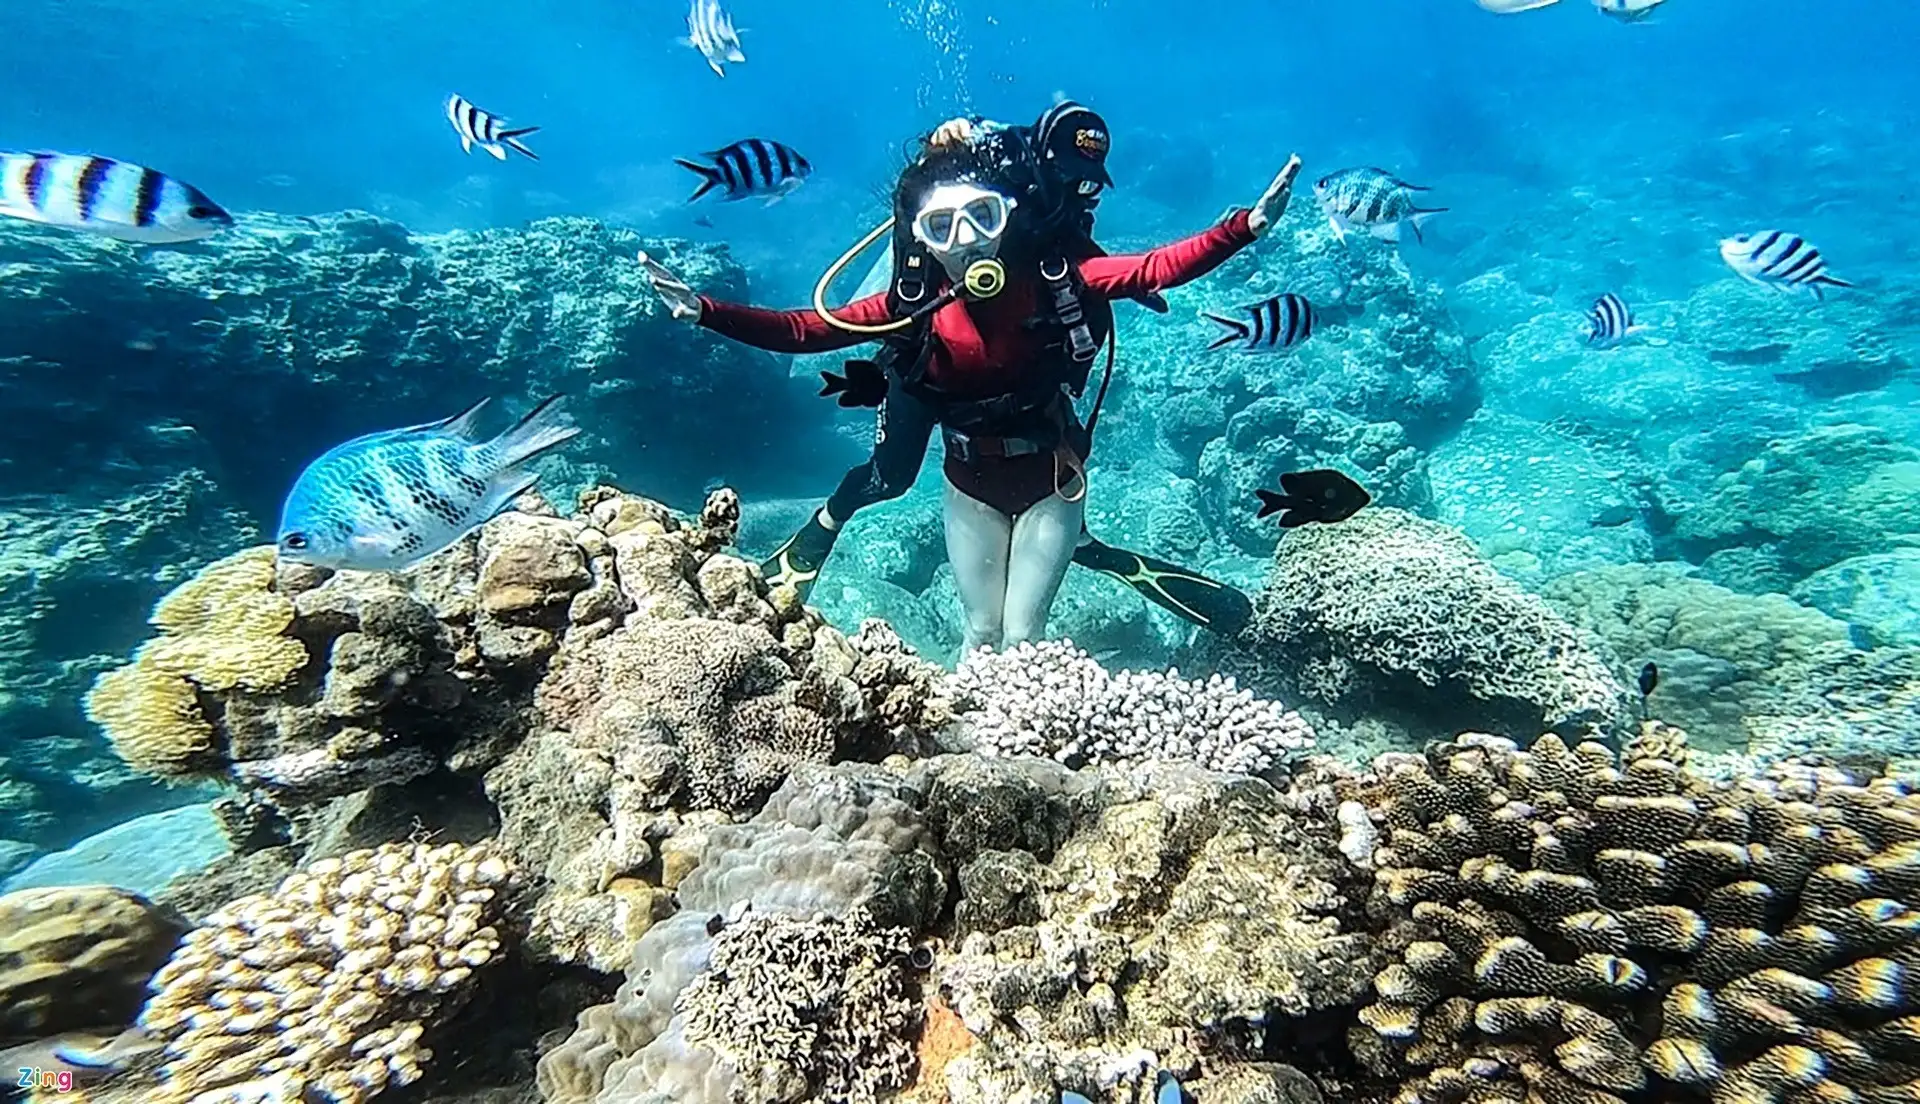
x: 1091, y: 141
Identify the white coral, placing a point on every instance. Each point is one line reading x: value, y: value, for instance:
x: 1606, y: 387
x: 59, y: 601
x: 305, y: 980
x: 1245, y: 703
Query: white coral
x: 1052, y: 699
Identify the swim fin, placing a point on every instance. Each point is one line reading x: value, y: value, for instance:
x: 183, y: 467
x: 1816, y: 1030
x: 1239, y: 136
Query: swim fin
x: 1212, y: 605
x: 797, y: 563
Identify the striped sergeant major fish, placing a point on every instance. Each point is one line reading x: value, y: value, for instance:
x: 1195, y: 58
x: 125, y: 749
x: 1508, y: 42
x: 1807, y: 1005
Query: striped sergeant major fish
x: 751, y: 167
x: 386, y: 501
x: 1268, y: 326
x: 486, y: 130
x: 110, y: 198
x: 1610, y: 322
x: 1373, y: 200
x: 710, y: 31
x: 1779, y: 260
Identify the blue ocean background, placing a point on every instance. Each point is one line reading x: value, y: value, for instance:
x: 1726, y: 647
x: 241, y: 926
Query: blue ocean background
x: 1576, y: 155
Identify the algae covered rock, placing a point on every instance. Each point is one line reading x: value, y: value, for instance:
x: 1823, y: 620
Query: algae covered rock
x: 1390, y: 615
x: 1879, y: 593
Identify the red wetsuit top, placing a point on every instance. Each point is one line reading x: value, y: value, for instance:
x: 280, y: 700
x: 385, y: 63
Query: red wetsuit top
x: 984, y: 348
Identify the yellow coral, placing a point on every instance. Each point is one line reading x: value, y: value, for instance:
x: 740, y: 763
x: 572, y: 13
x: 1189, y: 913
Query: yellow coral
x: 226, y: 629
x: 153, y: 720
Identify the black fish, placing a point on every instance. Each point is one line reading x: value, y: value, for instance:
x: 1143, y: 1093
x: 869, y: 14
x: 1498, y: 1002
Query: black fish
x: 863, y: 385
x: 1649, y: 678
x: 1322, y: 495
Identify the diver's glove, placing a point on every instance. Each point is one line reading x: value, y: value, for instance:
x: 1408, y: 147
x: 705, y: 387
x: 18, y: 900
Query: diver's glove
x: 1273, y: 202
x: 865, y: 384
x: 681, y: 302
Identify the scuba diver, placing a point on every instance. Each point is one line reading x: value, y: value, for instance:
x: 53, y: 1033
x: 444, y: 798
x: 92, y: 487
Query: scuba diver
x: 998, y: 307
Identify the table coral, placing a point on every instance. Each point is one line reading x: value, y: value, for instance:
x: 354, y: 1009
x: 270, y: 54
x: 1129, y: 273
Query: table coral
x: 332, y: 980
x: 77, y: 957
x: 1600, y: 932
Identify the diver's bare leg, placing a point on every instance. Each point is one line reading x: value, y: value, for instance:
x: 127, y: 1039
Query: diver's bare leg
x: 1043, y: 543
x: 979, y: 540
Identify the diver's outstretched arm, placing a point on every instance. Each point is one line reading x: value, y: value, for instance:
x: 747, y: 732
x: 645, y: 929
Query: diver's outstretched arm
x: 796, y: 331
x: 1184, y: 261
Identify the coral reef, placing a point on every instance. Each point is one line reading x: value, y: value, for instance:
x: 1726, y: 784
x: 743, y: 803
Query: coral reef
x: 77, y: 577
x: 1724, y: 658
x: 1118, y: 921
x: 315, y: 321
x: 77, y: 958
x: 831, y: 842
x: 1390, y: 615
x: 1862, y: 478
x: 1052, y: 699
x: 332, y: 980
x: 1585, y: 930
x: 816, y: 1005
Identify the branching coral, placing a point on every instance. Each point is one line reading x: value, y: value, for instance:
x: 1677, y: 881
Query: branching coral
x: 1052, y: 699
x: 332, y: 980
x: 806, y: 1006
x: 1589, y: 933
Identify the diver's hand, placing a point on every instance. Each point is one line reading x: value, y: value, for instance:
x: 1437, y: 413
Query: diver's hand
x: 1273, y: 202
x: 681, y: 302
x: 953, y: 132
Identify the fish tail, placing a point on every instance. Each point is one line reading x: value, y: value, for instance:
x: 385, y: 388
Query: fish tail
x: 1832, y: 281
x: 709, y: 177
x: 1239, y: 331
x: 1418, y: 217
x: 512, y: 139
x: 544, y: 427
x: 1271, y: 502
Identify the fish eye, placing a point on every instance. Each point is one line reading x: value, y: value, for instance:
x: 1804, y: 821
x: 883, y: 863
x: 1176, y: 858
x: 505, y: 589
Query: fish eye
x: 201, y: 211
x: 295, y: 542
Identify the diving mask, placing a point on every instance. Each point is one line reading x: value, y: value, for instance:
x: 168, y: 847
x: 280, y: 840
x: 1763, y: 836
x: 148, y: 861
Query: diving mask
x: 962, y: 225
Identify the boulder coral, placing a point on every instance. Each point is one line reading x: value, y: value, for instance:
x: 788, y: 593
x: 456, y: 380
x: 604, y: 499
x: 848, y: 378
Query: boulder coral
x: 1595, y: 930
x: 1391, y: 615
x: 78, y: 957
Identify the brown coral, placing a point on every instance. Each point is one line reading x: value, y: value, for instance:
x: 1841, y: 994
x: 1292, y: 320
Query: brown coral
x: 1586, y: 932
x: 153, y: 720
x: 77, y: 957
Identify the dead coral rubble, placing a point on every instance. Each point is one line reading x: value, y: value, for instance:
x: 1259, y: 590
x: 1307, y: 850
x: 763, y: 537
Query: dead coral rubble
x: 1583, y: 932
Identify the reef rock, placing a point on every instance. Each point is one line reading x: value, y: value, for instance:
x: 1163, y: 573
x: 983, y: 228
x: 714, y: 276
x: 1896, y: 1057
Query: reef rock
x: 1391, y: 616
x: 77, y: 957
x: 316, y: 321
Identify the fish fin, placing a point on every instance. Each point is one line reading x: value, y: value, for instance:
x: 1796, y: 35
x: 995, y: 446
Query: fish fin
x: 1388, y: 231
x: 1271, y: 502
x: 507, y: 492
x: 499, y: 152
x: 1339, y: 228
x: 466, y: 144
x: 717, y: 71
x: 1833, y: 281
x: 1418, y: 218
x: 1237, y: 330
x: 459, y: 425
x: 512, y: 139
x: 545, y: 426
x: 709, y: 177
x: 773, y: 199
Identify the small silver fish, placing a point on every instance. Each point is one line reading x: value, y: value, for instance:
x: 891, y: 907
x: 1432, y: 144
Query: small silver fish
x: 1781, y: 261
x: 1511, y: 7
x: 1272, y: 325
x: 1628, y: 11
x: 110, y: 198
x: 1373, y: 200
x: 486, y: 130
x: 1610, y: 322
x: 710, y: 31
x: 386, y: 501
